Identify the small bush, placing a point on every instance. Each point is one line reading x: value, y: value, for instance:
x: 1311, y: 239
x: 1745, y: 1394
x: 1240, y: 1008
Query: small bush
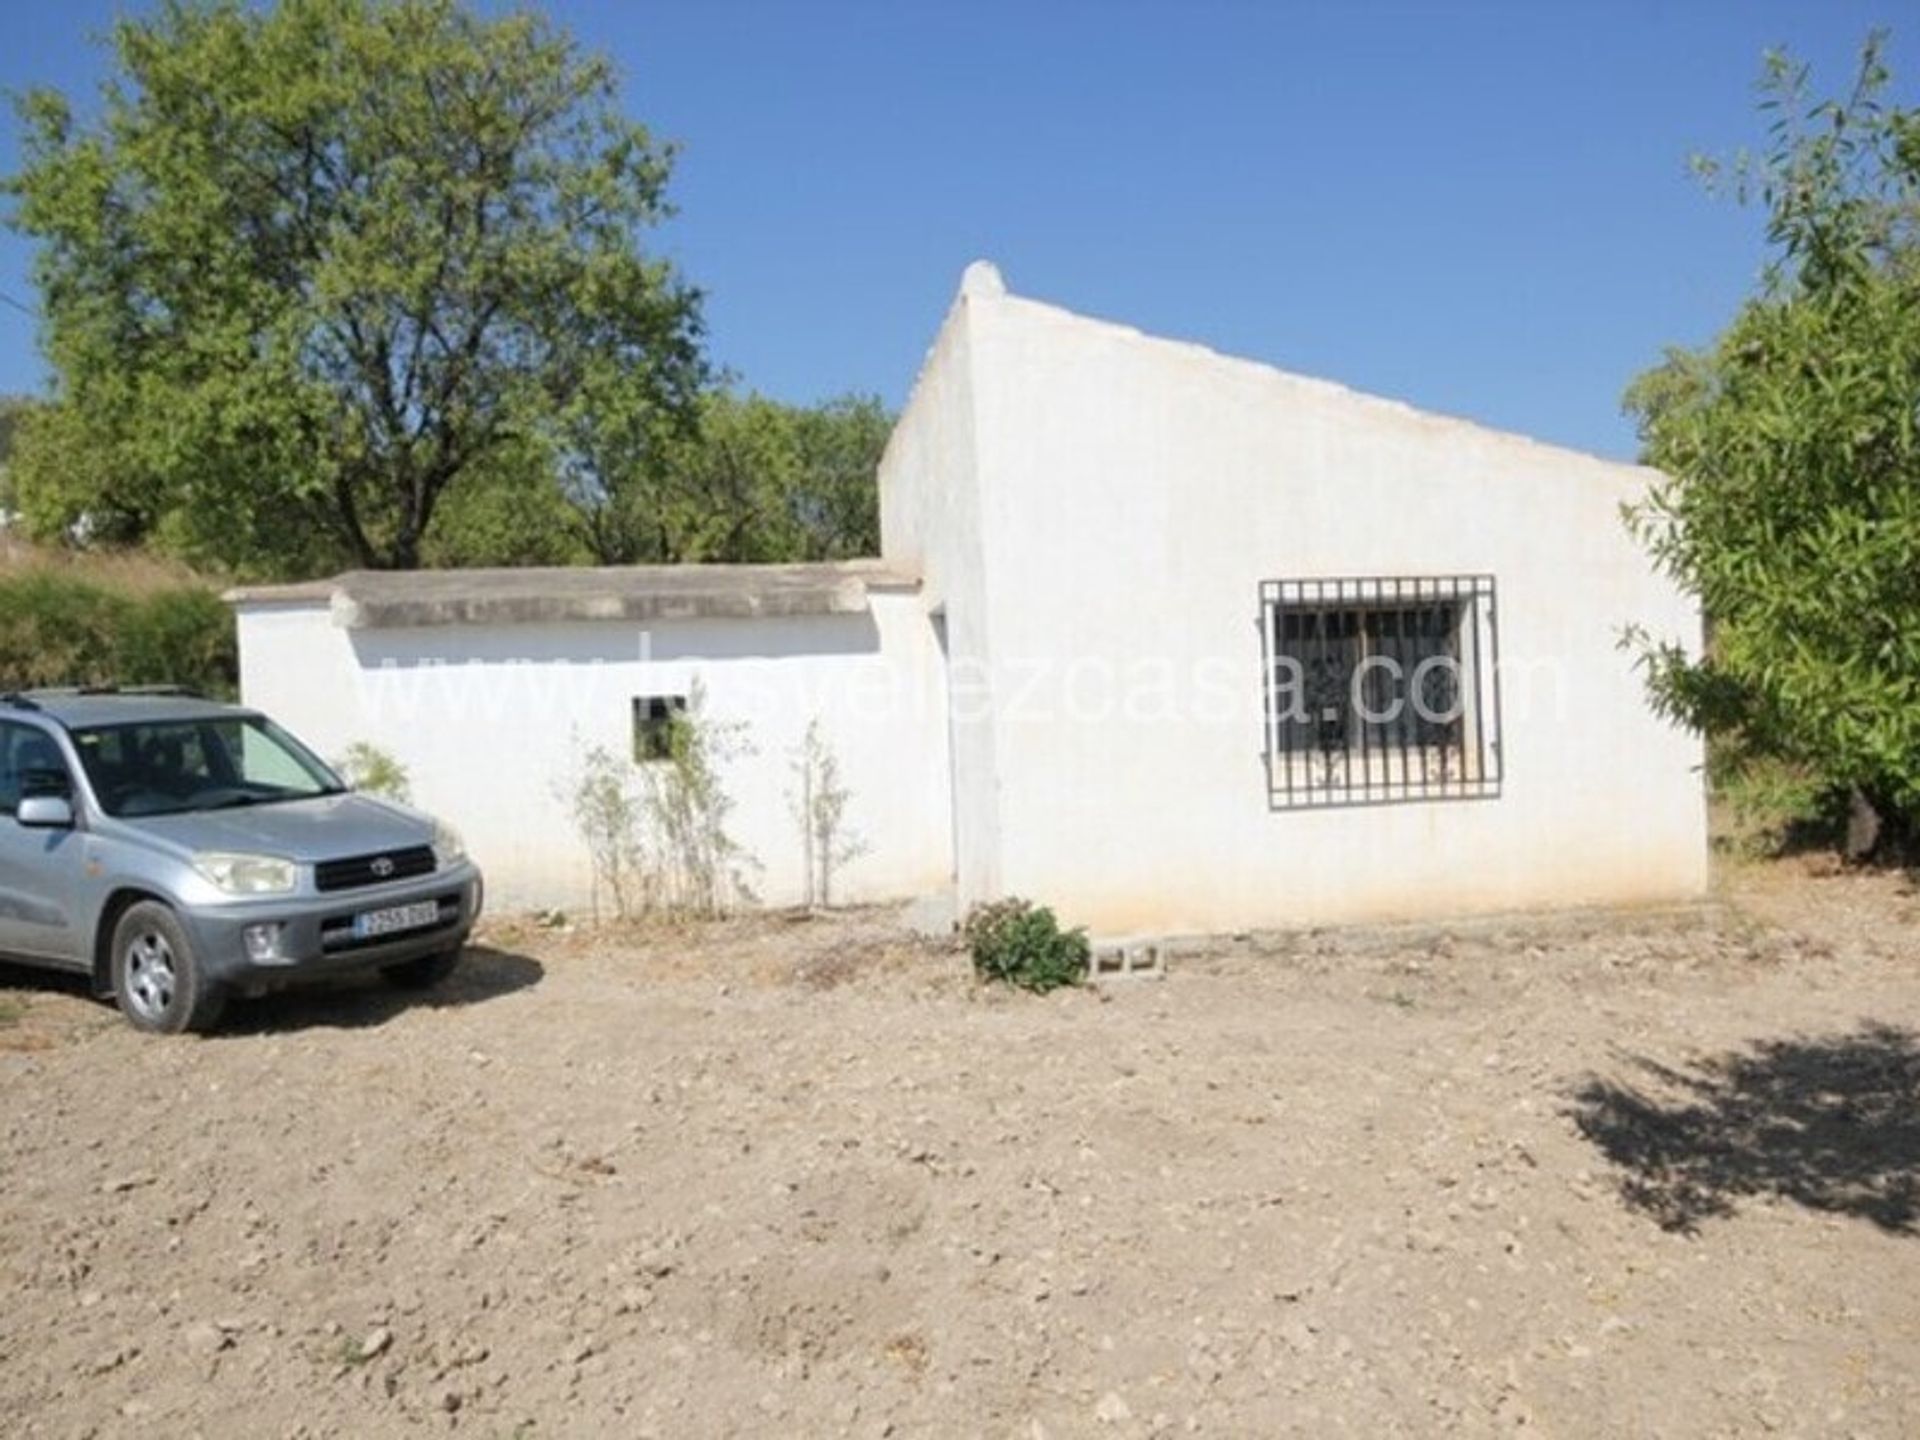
x: 371, y: 770
x: 1022, y: 944
x: 58, y: 629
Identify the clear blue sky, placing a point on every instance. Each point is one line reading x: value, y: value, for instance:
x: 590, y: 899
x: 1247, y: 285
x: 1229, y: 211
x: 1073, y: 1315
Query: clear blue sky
x: 1481, y: 208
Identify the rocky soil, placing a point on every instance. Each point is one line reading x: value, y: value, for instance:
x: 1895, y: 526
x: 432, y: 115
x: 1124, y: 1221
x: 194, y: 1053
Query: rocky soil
x: 1654, y: 1174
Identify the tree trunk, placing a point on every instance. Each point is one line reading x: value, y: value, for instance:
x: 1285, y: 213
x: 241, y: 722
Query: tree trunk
x: 1864, y: 826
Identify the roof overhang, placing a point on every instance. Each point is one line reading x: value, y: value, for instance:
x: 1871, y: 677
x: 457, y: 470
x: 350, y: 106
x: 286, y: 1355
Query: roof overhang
x: 385, y: 600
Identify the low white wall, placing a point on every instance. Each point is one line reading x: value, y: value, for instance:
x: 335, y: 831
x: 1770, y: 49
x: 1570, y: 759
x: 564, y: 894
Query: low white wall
x: 489, y: 722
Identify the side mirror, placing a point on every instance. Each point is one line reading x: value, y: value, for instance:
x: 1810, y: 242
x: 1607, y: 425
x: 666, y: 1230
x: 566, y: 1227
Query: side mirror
x: 45, y: 812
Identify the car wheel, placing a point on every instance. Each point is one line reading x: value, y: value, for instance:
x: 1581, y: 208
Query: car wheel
x: 424, y: 973
x: 158, y: 981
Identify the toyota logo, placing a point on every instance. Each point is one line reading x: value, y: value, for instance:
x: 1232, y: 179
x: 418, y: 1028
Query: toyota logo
x: 382, y: 867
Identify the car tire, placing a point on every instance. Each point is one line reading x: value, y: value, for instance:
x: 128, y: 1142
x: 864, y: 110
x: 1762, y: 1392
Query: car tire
x: 423, y: 973
x: 158, y: 981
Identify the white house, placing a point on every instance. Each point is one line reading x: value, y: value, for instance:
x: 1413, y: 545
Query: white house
x: 1170, y: 641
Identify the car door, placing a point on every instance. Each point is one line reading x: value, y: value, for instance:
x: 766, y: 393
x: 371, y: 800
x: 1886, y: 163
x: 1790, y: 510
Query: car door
x: 40, y: 870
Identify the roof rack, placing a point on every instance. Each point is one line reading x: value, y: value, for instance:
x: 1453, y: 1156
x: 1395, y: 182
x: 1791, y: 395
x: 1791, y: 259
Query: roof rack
x: 18, y: 701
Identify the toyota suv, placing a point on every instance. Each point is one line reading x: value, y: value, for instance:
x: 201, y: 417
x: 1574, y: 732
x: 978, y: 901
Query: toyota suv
x: 178, y: 851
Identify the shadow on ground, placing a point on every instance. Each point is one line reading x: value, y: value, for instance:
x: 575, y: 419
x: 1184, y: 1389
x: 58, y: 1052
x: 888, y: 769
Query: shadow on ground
x: 359, y: 1001
x: 53, y: 982
x: 1831, y: 1123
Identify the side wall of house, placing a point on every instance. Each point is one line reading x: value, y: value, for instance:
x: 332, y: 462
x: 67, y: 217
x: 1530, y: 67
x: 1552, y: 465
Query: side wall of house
x: 1138, y: 491
x: 931, y: 525
x: 491, y: 721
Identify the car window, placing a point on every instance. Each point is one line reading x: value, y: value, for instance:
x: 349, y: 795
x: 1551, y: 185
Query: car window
x: 30, y: 764
x: 171, y: 767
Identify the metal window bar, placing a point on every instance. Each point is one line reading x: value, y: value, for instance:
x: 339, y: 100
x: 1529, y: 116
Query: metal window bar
x: 1380, y: 690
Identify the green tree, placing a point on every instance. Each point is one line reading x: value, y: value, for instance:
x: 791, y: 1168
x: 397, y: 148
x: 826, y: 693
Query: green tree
x: 13, y: 410
x: 1791, y: 503
x: 755, y: 480
x: 318, y: 265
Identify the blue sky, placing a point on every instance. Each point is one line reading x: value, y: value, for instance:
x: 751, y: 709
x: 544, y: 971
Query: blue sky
x: 1481, y: 208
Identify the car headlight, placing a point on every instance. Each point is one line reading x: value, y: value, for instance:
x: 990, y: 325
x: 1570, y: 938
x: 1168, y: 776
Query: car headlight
x: 246, y: 874
x: 447, y: 844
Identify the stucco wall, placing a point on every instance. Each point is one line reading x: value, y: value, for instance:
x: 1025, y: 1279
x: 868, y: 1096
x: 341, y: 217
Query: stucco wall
x: 931, y: 525
x: 489, y: 720
x: 1133, y: 494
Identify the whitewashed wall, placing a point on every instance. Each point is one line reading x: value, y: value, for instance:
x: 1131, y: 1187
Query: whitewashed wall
x: 1132, y: 493
x: 490, y: 720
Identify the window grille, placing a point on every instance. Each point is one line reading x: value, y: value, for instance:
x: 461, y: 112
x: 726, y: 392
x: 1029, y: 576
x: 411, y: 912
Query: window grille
x: 653, y: 721
x: 1380, y: 690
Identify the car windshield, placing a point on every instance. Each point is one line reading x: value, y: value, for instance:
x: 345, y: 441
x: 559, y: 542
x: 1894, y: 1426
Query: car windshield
x: 172, y: 767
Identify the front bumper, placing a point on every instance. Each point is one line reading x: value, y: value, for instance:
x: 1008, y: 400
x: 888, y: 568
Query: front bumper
x: 313, y: 934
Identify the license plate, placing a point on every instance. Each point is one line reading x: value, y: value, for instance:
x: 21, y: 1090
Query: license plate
x: 393, y: 921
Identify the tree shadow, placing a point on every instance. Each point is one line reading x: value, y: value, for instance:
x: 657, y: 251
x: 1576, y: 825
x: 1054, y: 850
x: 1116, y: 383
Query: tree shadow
x: 360, y: 1001
x: 1831, y: 1123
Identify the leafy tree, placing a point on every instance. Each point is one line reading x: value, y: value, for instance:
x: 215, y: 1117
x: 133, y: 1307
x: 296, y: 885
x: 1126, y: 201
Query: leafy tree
x: 319, y: 265
x: 13, y: 410
x: 1792, y: 503
x: 756, y: 480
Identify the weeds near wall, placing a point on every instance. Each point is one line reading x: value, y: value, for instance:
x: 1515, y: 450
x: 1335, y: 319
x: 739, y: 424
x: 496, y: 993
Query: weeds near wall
x: 819, y: 803
x: 657, y: 832
x: 693, y: 865
x: 373, y: 771
x: 604, y: 805
x: 1022, y: 944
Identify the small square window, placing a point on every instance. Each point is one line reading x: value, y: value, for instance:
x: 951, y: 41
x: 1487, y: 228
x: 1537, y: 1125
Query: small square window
x: 653, y: 717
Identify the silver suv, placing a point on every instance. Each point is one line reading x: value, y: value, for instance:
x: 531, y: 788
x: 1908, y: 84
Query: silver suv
x: 177, y: 850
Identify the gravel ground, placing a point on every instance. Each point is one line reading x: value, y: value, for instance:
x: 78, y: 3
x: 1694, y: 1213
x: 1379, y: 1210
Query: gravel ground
x: 1654, y: 1174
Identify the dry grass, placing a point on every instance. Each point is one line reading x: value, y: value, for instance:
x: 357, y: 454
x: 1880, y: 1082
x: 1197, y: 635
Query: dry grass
x: 132, y: 572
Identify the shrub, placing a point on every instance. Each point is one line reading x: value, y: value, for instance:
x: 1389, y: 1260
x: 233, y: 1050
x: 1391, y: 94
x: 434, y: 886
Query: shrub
x: 368, y: 768
x: 1021, y: 943
x: 58, y: 629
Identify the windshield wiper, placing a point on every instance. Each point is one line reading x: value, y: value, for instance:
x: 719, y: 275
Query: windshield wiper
x: 235, y: 802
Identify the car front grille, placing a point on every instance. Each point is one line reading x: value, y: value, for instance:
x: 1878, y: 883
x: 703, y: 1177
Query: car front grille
x: 376, y: 869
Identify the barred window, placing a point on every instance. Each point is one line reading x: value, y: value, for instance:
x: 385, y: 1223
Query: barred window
x: 1380, y: 690
x: 653, y: 721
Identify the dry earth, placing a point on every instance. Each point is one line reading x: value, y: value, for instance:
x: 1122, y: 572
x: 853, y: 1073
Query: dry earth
x: 1649, y: 1174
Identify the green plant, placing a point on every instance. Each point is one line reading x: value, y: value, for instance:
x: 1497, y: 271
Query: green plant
x: 1022, y: 944
x: 604, y: 804
x: 308, y: 269
x: 657, y: 831
x: 1765, y: 806
x: 60, y: 629
x: 367, y: 767
x: 1790, y: 499
x: 694, y: 865
x: 819, y: 804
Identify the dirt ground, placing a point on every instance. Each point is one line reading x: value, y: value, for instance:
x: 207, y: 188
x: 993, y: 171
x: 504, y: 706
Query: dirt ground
x: 1653, y: 1174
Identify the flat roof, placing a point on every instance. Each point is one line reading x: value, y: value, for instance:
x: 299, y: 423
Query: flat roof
x: 394, y: 599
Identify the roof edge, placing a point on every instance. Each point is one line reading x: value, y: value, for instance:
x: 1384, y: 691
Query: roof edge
x: 386, y: 600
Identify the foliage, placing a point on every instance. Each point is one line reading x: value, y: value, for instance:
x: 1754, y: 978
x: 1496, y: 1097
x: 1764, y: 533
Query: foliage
x: 657, y: 833
x: 319, y: 265
x: 602, y: 800
x: 1766, y: 807
x: 366, y: 767
x: 755, y: 480
x: 695, y: 867
x: 1792, y: 507
x: 508, y: 512
x: 1022, y: 944
x: 13, y: 410
x: 58, y: 629
x: 819, y: 803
